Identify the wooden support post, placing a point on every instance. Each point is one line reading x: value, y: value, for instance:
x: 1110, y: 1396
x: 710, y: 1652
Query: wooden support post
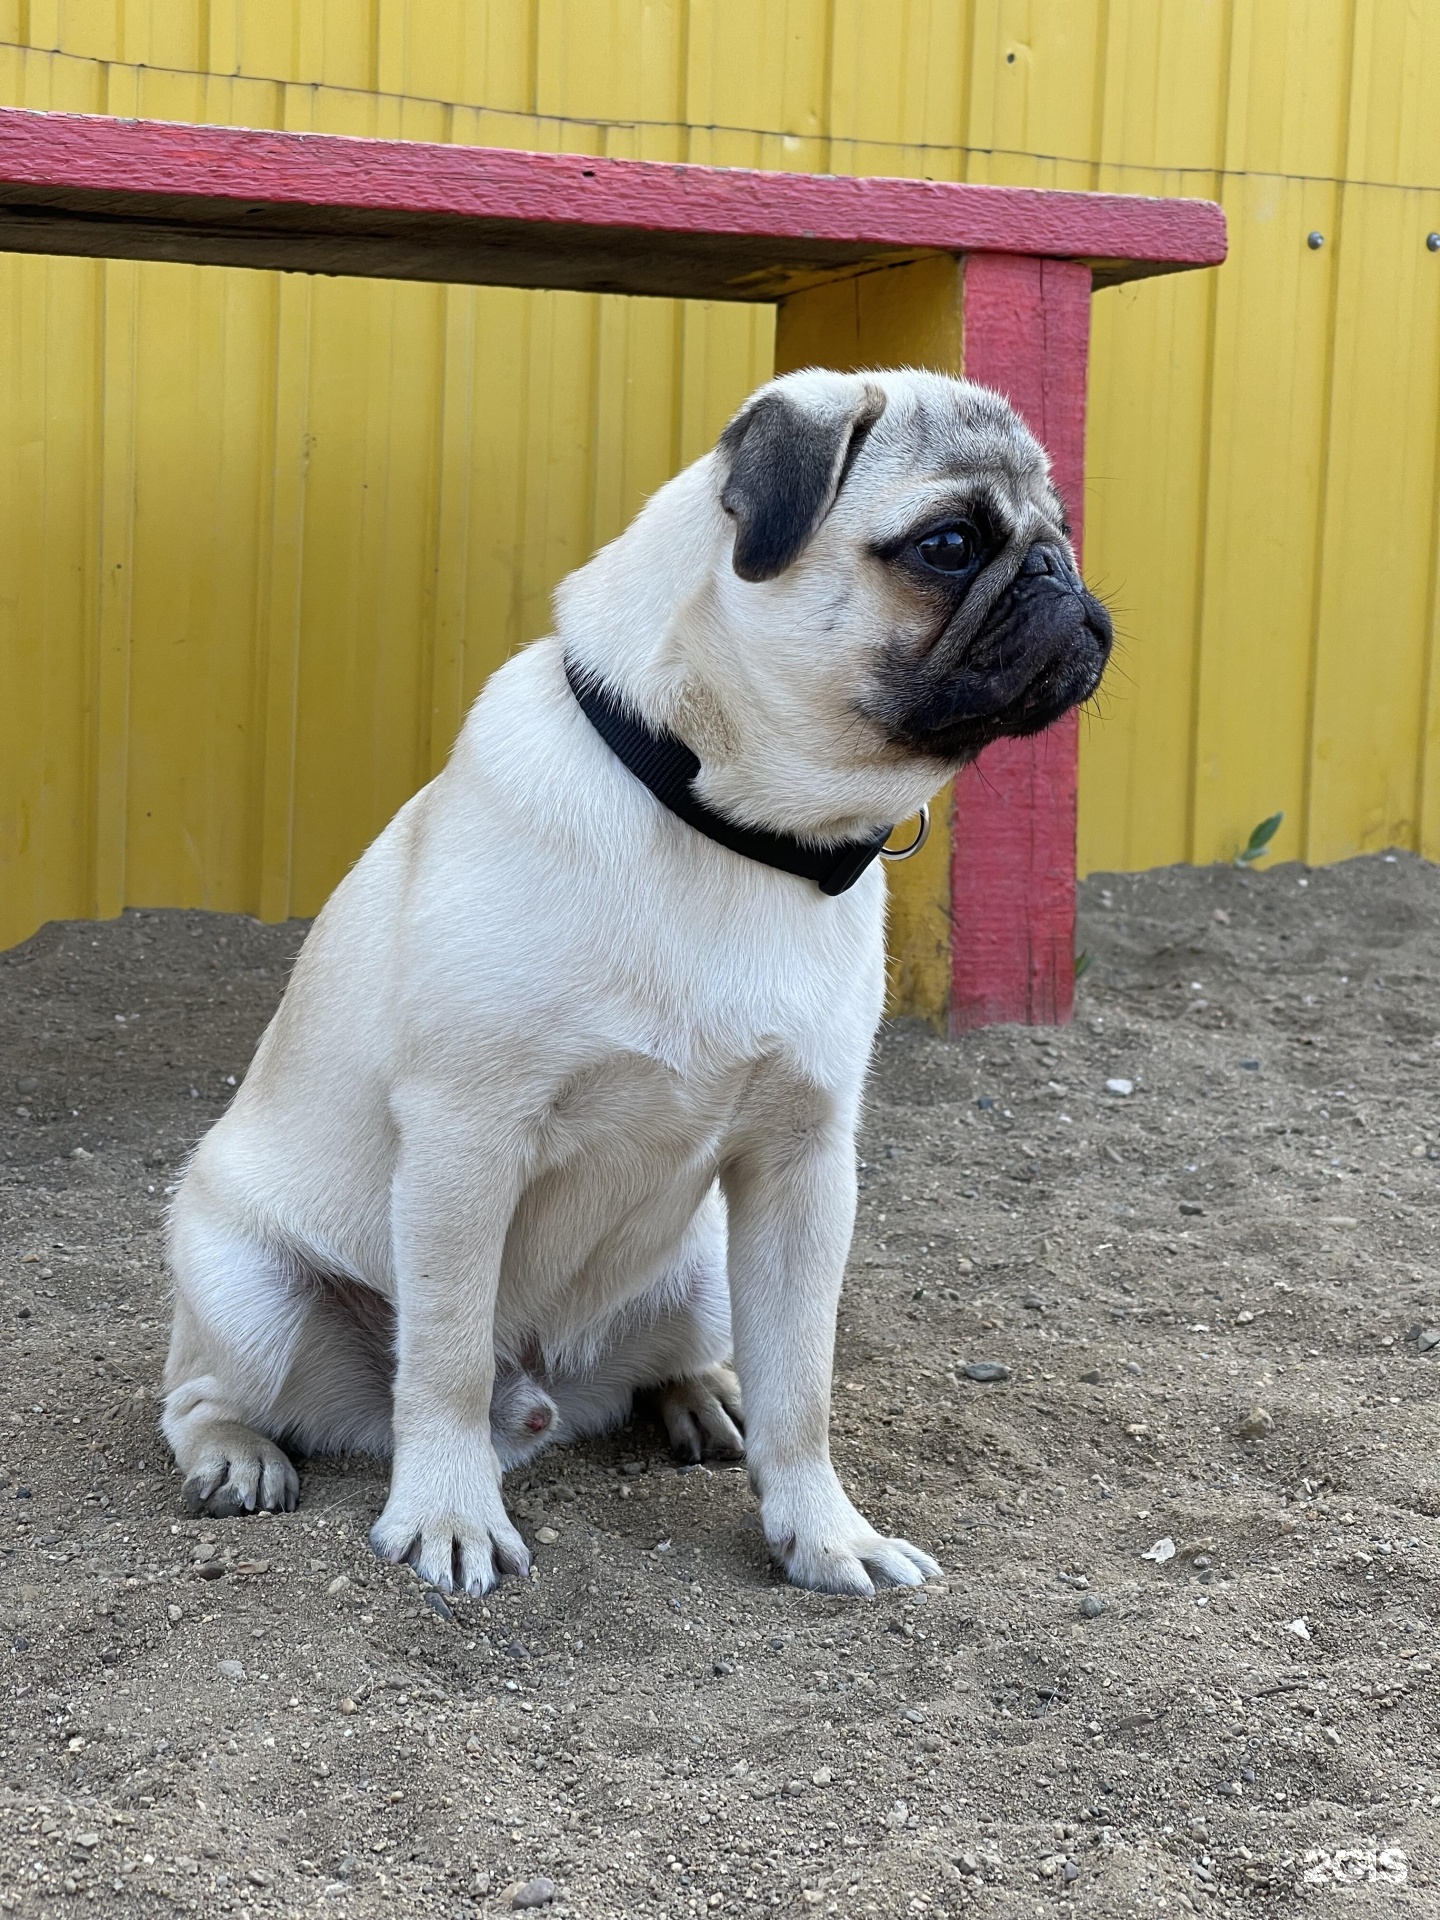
x: 899, y: 316
x: 1012, y: 873
x: 982, y: 925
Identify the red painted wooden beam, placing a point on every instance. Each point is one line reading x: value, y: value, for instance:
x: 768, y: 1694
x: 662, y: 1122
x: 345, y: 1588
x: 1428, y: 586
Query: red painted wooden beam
x: 1012, y: 864
x: 319, y: 203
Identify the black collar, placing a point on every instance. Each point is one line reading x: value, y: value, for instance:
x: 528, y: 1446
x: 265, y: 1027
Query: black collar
x: 667, y: 767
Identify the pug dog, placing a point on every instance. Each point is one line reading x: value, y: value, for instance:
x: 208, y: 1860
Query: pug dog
x: 561, y: 1100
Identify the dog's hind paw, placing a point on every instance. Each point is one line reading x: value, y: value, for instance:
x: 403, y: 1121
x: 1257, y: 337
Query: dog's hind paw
x: 235, y: 1470
x: 703, y: 1415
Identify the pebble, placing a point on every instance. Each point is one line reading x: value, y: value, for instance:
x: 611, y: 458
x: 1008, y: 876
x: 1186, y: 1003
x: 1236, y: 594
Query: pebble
x: 723, y: 1667
x: 821, y: 1777
x: 437, y: 1605
x: 1123, y: 1087
x: 547, y: 1536
x: 27, y: 1083
x: 338, y: 1584
x: 174, y: 1614
x: 87, y: 1840
x: 1191, y: 1208
x: 209, y: 1570
x: 1091, y: 1607
x: 1427, y: 1339
x: 1092, y: 1378
x: 1257, y: 1425
x: 985, y: 1371
x: 538, y: 1892
x: 1201, y: 1562
x: 232, y: 1669
x: 259, y: 1877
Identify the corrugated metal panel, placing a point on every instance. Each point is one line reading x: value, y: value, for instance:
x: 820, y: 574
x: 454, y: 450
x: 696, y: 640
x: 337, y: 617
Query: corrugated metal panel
x: 266, y: 536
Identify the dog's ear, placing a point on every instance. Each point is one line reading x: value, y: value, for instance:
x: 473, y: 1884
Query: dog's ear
x: 787, y: 457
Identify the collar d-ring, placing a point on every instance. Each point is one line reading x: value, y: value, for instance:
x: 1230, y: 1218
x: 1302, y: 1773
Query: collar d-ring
x: 908, y: 853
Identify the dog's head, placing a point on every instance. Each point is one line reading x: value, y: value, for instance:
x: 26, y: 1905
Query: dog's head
x: 868, y: 580
x: 952, y: 539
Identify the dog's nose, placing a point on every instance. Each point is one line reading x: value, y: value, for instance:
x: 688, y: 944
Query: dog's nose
x: 539, y: 1419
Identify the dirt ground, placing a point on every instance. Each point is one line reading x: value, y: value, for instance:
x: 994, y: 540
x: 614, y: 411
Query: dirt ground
x: 1183, y: 1655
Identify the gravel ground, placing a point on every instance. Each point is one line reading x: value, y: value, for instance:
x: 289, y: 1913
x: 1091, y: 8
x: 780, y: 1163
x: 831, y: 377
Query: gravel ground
x: 1182, y: 1658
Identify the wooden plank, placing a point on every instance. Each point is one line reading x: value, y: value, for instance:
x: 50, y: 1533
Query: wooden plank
x: 414, y: 210
x: 1012, y: 875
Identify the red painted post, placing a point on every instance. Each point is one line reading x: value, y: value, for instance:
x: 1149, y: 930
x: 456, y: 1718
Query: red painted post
x: 1012, y: 877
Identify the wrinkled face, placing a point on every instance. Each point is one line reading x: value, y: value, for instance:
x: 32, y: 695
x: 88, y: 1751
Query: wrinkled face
x: 919, y: 512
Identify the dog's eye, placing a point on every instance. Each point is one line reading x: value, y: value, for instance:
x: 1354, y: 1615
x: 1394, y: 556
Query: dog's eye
x: 950, y: 549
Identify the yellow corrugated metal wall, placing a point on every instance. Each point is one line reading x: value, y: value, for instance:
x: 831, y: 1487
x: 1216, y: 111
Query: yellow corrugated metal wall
x: 264, y: 536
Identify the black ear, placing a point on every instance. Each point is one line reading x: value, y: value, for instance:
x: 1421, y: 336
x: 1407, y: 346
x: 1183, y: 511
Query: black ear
x: 787, y: 462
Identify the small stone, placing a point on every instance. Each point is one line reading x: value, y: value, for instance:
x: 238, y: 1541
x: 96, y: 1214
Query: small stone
x: 174, y: 1614
x: 1124, y: 1088
x: 338, y: 1584
x: 1244, y: 1318
x: 232, y: 1669
x: 87, y: 1840
x: 81, y: 1153
x: 1091, y: 1378
x: 1300, y: 1628
x: 538, y: 1892
x: 632, y: 1469
x: 1342, y: 1220
x: 347, y: 1705
x: 259, y: 1877
x: 1069, y: 1873
x: 1091, y: 1607
x: 985, y: 1371
x: 724, y: 1667
x: 437, y: 1605
x: 1191, y: 1208
x: 1201, y: 1562
x: 547, y: 1536
x: 209, y: 1570
x: 27, y: 1083
x: 821, y: 1777
x: 1427, y: 1339
x: 1258, y: 1424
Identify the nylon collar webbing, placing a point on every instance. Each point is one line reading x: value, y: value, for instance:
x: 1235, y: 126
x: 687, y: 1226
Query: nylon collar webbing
x: 668, y: 768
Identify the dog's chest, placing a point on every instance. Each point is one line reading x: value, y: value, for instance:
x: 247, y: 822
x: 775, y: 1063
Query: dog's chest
x: 633, y: 1115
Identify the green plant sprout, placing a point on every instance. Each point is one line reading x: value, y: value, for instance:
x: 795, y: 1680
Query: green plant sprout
x: 1259, y: 841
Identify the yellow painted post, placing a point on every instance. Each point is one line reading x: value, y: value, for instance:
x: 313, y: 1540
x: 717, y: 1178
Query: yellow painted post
x: 900, y: 316
x: 110, y: 739
x: 279, y: 626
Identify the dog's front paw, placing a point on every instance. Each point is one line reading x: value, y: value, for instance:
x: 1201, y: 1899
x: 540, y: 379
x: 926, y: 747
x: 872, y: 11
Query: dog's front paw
x: 450, y: 1526
x: 703, y: 1416
x: 823, y: 1541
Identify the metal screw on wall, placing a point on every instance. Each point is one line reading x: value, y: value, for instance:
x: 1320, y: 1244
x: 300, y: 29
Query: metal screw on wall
x: 1315, y: 241
x: 1432, y: 241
